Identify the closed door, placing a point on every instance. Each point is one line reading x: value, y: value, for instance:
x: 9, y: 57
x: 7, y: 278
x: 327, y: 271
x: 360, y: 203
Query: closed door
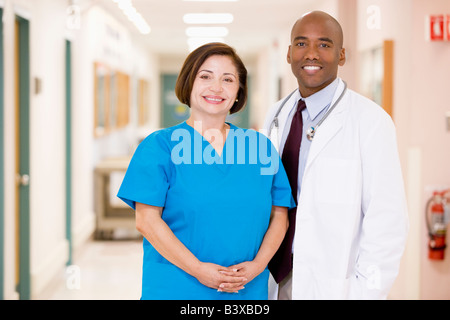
x: 2, y: 164
x: 68, y: 69
x: 22, y: 145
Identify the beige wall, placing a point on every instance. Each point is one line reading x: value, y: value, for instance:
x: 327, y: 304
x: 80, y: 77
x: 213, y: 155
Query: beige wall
x: 430, y: 96
x: 421, y: 70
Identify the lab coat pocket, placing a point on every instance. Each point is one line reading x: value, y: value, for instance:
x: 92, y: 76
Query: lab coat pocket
x: 332, y: 288
x: 336, y: 181
x: 309, y: 284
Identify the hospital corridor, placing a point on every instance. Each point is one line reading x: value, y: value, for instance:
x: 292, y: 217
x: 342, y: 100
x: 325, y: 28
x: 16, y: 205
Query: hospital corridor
x: 84, y: 82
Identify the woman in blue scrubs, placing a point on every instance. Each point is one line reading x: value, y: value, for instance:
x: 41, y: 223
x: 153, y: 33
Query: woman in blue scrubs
x: 211, y: 199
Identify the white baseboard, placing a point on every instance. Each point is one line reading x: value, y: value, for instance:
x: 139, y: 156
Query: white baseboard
x: 83, y: 231
x: 43, y: 274
x: 55, y: 262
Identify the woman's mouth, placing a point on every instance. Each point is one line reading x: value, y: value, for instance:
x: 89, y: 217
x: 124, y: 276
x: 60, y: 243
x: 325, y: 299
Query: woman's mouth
x: 213, y: 99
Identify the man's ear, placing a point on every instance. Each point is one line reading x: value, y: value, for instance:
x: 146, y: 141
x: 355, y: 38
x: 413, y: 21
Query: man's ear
x: 288, y: 57
x: 342, y: 58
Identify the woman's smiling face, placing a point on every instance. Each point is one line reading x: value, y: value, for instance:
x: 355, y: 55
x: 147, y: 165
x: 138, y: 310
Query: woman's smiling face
x: 215, y: 87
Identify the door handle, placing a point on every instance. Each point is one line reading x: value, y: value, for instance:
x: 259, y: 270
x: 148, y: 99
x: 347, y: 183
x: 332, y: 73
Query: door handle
x: 23, y: 180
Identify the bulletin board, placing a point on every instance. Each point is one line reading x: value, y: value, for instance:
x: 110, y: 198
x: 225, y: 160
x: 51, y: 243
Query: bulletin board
x: 102, y: 95
x: 143, y: 102
x: 111, y: 99
x: 377, y: 75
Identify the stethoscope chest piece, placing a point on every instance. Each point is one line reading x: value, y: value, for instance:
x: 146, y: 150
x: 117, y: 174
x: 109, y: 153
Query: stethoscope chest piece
x: 310, y: 133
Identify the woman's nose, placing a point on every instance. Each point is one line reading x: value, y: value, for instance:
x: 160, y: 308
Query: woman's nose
x: 216, y: 86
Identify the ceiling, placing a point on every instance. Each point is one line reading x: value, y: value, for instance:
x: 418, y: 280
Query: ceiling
x: 256, y: 24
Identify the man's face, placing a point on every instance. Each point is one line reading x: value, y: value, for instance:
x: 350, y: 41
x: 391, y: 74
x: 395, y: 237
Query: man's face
x: 315, y: 53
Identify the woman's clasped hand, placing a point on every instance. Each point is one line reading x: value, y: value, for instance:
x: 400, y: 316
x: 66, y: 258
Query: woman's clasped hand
x: 227, y: 279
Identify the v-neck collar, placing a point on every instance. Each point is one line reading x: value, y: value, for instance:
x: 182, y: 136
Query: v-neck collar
x: 219, y: 159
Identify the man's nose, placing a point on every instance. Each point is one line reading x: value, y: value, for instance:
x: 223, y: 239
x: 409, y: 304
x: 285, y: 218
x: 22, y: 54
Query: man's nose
x: 312, y: 53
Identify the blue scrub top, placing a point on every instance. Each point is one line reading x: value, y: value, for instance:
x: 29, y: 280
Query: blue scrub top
x: 218, y: 206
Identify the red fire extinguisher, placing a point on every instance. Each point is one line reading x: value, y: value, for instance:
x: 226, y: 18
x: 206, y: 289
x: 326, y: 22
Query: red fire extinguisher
x: 436, y: 218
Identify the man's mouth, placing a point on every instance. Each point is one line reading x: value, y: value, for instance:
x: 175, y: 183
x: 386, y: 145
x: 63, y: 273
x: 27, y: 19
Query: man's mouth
x: 311, y: 69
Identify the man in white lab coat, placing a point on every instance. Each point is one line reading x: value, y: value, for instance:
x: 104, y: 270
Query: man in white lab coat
x: 351, y: 220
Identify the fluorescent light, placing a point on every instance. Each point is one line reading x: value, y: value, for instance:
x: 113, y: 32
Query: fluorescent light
x: 133, y: 15
x: 207, y: 32
x: 208, y: 18
x: 194, y: 43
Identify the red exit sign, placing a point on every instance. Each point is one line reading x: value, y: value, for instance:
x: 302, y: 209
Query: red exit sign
x: 438, y: 27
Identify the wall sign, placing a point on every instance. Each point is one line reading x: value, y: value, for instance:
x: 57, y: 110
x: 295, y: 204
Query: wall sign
x: 438, y: 27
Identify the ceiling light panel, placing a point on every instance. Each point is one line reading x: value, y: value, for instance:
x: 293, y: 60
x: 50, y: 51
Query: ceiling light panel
x: 204, y: 32
x: 208, y: 18
x: 133, y: 15
x: 210, y: 0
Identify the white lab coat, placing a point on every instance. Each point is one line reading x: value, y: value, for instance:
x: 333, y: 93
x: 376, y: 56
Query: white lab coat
x: 351, y: 223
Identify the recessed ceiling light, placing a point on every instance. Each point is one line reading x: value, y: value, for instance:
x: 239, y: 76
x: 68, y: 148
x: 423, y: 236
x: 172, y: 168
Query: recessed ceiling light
x: 208, y: 18
x: 205, y: 32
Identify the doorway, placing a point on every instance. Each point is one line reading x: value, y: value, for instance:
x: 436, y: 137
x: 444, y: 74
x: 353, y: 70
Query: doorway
x: 68, y: 74
x: 22, y: 145
x: 2, y: 164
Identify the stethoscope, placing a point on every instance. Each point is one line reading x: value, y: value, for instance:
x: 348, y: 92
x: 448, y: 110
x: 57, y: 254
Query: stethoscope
x: 310, y: 132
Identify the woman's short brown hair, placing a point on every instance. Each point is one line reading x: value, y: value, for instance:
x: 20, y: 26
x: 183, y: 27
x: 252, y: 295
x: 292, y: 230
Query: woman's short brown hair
x: 194, y: 61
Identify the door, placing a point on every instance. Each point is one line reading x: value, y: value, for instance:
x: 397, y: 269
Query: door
x: 173, y: 111
x: 68, y: 68
x: 22, y: 143
x: 2, y: 176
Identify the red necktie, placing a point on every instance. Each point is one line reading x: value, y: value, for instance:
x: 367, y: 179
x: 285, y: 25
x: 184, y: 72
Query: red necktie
x: 281, y: 263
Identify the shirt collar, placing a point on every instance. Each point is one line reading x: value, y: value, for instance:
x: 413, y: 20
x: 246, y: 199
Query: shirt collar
x: 320, y: 100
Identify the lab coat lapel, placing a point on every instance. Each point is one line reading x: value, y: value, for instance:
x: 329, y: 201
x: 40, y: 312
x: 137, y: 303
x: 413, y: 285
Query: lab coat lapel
x: 329, y: 128
x: 327, y: 131
x: 283, y: 119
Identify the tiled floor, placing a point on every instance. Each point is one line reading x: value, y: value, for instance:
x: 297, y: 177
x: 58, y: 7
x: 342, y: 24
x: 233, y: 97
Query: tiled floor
x: 102, y: 270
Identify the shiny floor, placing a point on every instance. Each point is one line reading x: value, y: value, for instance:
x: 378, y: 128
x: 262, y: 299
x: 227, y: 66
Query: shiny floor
x: 101, y: 270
